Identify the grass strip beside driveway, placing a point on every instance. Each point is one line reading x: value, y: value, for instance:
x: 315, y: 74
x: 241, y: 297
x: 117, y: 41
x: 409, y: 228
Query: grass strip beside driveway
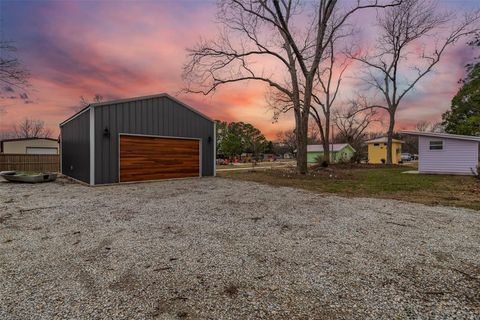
x: 375, y: 181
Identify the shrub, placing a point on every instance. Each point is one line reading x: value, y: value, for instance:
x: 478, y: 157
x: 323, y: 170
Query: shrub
x: 321, y: 161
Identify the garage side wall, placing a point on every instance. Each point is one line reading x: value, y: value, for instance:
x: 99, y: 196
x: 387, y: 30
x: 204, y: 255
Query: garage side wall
x: 75, y: 147
x: 158, y: 116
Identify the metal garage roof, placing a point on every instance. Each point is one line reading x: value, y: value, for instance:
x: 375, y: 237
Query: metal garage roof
x: 104, y: 103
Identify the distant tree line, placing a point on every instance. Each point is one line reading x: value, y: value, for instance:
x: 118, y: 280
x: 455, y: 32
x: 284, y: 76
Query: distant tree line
x: 236, y: 138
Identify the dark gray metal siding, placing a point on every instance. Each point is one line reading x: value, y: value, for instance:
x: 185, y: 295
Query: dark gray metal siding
x: 75, y: 148
x: 160, y: 116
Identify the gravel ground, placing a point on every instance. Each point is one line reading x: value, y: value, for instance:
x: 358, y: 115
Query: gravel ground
x: 212, y: 248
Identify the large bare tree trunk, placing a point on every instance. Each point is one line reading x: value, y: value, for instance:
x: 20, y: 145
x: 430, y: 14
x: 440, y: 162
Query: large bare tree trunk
x: 302, y: 133
x: 326, y: 140
x: 391, y: 127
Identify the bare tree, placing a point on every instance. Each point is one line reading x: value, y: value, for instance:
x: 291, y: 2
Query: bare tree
x: 283, y: 31
x: 326, y: 86
x: 353, y: 121
x: 326, y: 91
x: 313, y: 134
x: 288, y: 139
x: 427, y: 126
x: 324, y: 94
x: 11, y: 71
x: 408, y: 48
x: 84, y: 102
x: 31, y: 128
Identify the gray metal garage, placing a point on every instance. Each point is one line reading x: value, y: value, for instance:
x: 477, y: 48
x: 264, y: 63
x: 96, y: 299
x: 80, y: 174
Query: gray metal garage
x: 138, y: 139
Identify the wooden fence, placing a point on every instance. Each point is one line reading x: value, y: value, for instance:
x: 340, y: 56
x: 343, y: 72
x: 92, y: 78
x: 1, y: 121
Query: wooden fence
x: 30, y: 162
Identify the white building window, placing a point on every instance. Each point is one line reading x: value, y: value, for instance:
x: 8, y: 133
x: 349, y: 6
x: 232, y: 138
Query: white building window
x: 436, y: 145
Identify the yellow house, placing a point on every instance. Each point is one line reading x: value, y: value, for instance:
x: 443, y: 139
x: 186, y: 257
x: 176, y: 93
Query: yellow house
x: 377, y: 150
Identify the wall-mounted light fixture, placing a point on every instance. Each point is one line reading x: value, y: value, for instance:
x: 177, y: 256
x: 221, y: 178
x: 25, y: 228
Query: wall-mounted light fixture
x: 106, y: 132
x: 209, y: 139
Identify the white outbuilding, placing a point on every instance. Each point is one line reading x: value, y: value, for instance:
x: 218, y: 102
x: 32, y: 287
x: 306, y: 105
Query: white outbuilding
x: 444, y: 153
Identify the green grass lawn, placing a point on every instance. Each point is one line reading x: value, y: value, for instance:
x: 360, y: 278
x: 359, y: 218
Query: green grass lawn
x: 375, y: 181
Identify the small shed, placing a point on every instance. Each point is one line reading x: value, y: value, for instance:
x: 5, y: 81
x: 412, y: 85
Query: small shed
x: 377, y: 150
x: 29, y: 146
x: 138, y: 139
x: 338, y: 152
x: 444, y: 153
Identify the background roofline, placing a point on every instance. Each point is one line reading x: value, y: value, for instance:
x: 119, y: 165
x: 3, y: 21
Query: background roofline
x: 442, y: 135
x: 31, y: 138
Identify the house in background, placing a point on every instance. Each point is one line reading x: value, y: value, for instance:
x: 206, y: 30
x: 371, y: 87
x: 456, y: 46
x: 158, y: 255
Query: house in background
x: 339, y: 152
x: 445, y: 153
x: 29, y: 146
x: 377, y: 150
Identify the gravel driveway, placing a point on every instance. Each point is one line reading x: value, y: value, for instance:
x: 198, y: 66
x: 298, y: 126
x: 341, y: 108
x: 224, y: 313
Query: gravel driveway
x: 212, y: 248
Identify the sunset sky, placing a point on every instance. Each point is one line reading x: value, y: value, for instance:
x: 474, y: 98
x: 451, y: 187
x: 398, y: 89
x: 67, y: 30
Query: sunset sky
x: 121, y: 49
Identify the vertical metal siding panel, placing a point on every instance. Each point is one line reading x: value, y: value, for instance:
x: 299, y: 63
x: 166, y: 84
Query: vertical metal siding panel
x: 105, y: 142
x: 113, y: 113
x: 139, y: 112
x: 98, y: 161
x: 200, y: 128
x: 169, y: 126
x: 179, y: 127
x: 177, y: 116
x: 163, y: 128
x: 157, y: 116
x: 154, y: 115
x: 121, y: 128
x: 149, y: 115
x: 131, y: 117
x: 166, y: 108
x: 188, y: 127
x: 144, y: 110
x: 99, y: 158
x: 76, y: 148
x: 209, y: 159
x: 107, y: 116
x: 177, y: 122
x: 141, y: 119
x: 191, y: 129
x: 146, y: 107
x: 98, y: 148
x: 209, y: 126
x: 138, y: 116
x: 101, y: 154
x: 126, y: 118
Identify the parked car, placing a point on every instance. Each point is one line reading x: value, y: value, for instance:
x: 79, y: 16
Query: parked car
x: 406, y: 157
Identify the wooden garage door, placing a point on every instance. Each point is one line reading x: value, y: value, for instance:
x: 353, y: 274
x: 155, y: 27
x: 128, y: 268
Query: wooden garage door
x: 153, y: 158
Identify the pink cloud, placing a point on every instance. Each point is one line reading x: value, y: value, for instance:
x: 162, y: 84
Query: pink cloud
x: 77, y: 49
